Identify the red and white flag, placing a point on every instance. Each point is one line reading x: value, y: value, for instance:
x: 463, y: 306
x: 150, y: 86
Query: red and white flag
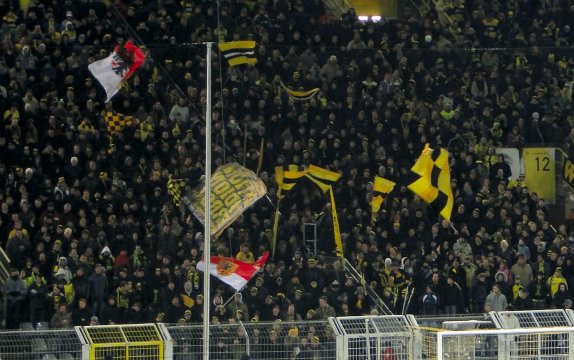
x: 117, y: 67
x: 231, y: 271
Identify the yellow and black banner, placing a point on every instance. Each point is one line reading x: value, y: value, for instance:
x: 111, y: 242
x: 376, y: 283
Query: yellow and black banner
x: 300, y: 95
x: 381, y: 187
x: 238, y: 52
x: 234, y: 188
x: 175, y: 188
x: 433, y: 183
x: 325, y: 179
x: 286, y: 178
x: 116, y: 122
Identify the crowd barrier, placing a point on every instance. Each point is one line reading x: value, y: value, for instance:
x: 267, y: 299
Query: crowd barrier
x: 522, y: 335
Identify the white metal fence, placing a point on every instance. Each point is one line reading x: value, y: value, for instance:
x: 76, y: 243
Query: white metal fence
x: 260, y: 340
x: 40, y: 344
x: 374, y: 337
x: 521, y: 335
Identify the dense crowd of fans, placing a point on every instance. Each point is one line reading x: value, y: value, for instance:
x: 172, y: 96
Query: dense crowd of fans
x: 93, y: 236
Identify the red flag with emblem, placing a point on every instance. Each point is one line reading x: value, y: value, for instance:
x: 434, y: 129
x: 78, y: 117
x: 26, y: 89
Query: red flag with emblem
x: 233, y: 272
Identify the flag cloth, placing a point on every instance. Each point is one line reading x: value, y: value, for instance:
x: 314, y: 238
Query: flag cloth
x: 325, y: 179
x: 234, y: 188
x: 231, y: 271
x: 174, y: 188
x: 381, y: 187
x: 322, y: 177
x: 336, y: 227
x: 238, y: 52
x: 433, y: 184
x: 117, y: 67
x: 187, y: 301
x: 116, y: 122
x: 300, y: 95
x: 286, y: 178
x: 568, y: 172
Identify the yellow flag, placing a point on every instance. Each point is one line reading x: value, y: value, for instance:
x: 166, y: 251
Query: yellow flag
x: 433, y: 184
x: 300, y: 95
x: 336, y: 227
x: 286, y: 178
x: 238, y: 52
x: 322, y: 177
x: 381, y: 187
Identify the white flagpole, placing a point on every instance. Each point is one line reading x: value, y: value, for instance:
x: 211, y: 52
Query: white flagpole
x: 207, y: 223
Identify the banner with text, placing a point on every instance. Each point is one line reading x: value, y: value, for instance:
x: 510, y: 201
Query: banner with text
x: 233, y: 190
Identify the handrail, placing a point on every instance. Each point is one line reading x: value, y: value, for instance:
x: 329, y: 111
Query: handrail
x: 379, y: 303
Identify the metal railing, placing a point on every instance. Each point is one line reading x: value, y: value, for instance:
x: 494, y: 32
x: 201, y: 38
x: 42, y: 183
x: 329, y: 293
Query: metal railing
x: 40, y: 344
x: 260, y: 340
x: 379, y: 303
x: 518, y: 335
x: 4, y: 266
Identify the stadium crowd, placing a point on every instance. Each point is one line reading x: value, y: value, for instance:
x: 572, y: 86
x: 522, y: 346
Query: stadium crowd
x: 93, y: 236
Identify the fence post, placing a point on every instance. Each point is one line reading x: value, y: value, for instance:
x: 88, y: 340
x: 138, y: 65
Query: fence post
x: 439, y: 346
x: 167, y: 342
x: 246, y: 334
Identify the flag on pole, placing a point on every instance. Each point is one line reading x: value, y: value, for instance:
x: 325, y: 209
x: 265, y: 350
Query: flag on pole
x: 117, y: 67
x: 286, y: 178
x: 433, y: 184
x: 381, y: 187
x: 174, y: 188
x: 300, y: 95
x: 116, y: 122
x: 231, y: 271
x: 322, y: 177
x: 325, y: 179
x: 238, y: 52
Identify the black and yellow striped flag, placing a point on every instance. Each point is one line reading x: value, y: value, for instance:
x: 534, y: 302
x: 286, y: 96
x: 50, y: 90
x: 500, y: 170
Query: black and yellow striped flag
x: 286, y: 177
x: 325, y: 179
x: 433, y: 184
x: 322, y: 177
x: 174, y: 188
x: 116, y: 122
x: 238, y: 52
x: 300, y: 95
x: 381, y: 187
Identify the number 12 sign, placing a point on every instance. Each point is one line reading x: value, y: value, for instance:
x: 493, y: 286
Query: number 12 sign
x: 540, y: 172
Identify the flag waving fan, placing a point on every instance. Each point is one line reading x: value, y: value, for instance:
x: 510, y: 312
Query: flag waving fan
x: 117, y: 67
x: 231, y: 271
